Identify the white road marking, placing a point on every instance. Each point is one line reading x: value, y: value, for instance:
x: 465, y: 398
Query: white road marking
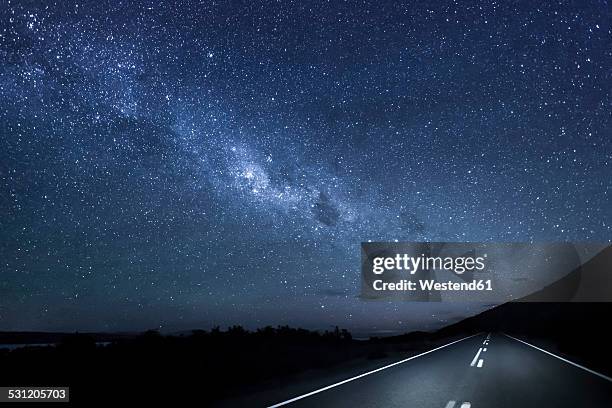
x: 466, y: 405
x: 476, y: 357
x: 488, y: 336
x: 280, y: 404
x: 605, y: 377
x: 484, y: 349
x: 480, y: 362
x: 450, y: 404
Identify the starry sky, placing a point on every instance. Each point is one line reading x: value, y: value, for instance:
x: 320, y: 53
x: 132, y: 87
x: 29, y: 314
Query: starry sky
x: 188, y: 164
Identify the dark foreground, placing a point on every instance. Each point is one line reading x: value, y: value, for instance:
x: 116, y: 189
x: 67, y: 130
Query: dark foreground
x: 238, y: 368
x: 271, y: 365
x: 205, y: 366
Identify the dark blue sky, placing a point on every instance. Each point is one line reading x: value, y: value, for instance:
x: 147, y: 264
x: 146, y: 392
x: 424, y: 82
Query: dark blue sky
x: 189, y: 164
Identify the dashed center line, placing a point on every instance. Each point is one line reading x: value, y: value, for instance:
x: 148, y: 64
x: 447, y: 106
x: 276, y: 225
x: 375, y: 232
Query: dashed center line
x: 473, y: 363
x: 451, y: 404
x: 476, y: 361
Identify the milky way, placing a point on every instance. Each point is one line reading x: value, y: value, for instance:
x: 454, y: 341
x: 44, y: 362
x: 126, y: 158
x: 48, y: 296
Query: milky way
x: 191, y: 164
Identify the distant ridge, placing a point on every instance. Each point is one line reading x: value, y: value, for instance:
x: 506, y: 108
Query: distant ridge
x: 38, y: 337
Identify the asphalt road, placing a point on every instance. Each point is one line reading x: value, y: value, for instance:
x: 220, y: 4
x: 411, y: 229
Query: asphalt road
x: 506, y: 373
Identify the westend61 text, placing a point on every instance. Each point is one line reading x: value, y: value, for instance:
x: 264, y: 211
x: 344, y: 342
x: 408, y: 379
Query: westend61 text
x: 430, y: 284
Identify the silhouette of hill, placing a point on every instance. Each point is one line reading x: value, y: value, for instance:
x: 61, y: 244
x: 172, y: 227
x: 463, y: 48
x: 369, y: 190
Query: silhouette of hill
x: 36, y: 337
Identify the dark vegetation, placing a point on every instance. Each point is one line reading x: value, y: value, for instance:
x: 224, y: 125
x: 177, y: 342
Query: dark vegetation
x: 205, y: 365
x: 50, y: 337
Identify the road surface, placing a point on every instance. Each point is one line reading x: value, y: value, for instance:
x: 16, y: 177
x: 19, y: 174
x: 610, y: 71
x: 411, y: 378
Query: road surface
x: 486, y: 370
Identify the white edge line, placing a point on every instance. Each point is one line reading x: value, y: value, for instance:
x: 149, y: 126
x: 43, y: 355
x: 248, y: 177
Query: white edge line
x: 476, y: 357
x: 450, y: 404
x: 605, y: 377
x: 368, y: 373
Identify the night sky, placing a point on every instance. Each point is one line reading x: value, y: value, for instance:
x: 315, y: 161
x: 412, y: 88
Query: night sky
x: 191, y: 164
